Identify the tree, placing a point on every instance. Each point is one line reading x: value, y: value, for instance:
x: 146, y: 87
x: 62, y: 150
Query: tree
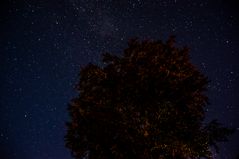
x: 149, y: 103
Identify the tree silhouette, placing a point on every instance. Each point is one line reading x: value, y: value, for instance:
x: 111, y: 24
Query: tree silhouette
x: 149, y: 103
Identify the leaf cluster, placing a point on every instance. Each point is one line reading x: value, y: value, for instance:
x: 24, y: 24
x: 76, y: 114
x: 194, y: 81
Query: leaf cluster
x: 149, y: 103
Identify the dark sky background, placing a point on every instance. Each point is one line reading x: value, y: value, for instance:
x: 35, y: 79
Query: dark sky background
x: 44, y: 43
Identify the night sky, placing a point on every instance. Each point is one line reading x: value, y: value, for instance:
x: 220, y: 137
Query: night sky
x: 44, y: 43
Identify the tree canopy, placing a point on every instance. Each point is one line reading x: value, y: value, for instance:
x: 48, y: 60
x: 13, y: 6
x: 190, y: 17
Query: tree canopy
x: 148, y: 103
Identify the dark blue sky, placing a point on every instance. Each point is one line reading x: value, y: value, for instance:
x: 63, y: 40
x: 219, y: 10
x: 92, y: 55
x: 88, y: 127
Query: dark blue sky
x: 44, y: 43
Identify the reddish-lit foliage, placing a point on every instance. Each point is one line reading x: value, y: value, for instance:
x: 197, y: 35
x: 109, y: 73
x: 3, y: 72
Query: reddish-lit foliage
x: 149, y: 103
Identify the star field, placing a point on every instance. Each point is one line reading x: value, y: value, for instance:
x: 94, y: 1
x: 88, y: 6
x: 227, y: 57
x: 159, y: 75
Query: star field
x: 43, y: 44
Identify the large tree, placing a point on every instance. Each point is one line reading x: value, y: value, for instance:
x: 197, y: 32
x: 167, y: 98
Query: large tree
x: 148, y: 103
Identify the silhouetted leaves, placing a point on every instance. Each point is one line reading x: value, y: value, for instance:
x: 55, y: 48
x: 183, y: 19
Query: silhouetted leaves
x: 149, y: 103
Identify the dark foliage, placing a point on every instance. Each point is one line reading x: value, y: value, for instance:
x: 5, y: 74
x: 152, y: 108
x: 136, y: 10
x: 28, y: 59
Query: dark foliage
x: 149, y: 103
